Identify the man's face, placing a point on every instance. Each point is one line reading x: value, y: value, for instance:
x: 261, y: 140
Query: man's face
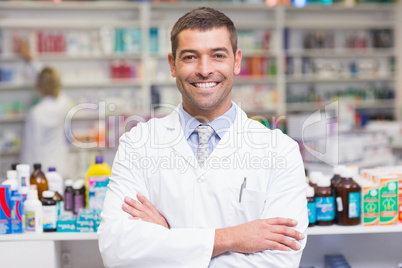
x: 204, y: 69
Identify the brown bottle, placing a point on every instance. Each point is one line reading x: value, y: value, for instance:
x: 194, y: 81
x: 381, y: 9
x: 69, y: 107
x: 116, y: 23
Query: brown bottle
x: 38, y: 178
x: 348, y: 199
x: 325, y: 203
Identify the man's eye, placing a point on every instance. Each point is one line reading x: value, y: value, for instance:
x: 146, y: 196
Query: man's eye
x: 220, y: 56
x: 189, y: 57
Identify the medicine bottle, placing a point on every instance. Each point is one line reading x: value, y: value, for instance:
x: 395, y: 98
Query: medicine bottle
x: 38, y: 178
x: 49, y: 210
x: 68, y: 196
x: 311, y: 207
x: 78, y: 196
x: 325, y: 202
x: 33, y: 212
x: 348, y: 199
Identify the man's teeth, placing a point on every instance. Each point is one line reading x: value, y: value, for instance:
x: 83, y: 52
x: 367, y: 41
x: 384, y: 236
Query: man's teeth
x: 205, y: 85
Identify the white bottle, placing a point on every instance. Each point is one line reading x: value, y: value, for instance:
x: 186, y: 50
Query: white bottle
x: 54, y: 180
x: 23, y: 177
x: 11, y: 180
x: 33, y: 220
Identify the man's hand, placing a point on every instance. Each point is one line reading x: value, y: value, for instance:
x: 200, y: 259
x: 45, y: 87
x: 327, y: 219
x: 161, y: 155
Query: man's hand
x: 144, y: 210
x: 258, y: 235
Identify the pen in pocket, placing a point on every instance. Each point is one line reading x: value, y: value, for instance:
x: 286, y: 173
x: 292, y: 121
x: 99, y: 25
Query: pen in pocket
x: 243, y: 186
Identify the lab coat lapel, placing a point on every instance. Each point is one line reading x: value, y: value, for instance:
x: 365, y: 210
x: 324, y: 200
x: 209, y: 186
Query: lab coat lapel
x: 174, y: 137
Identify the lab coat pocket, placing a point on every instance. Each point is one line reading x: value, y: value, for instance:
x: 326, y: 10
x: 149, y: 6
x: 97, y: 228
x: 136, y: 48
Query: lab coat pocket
x: 249, y: 208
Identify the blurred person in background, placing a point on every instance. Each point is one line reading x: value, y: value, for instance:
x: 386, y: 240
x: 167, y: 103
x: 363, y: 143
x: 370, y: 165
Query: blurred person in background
x: 44, y: 140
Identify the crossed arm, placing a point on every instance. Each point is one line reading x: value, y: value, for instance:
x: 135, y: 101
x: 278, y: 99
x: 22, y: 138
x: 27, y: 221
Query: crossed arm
x: 250, y: 237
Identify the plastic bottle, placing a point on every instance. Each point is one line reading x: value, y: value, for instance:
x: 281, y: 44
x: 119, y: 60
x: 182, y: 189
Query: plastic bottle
x: 49, y: 209
x: 12, y: 181
x: 54, y: 180
x: 33, y: 213
x: 314, y: 177
x: 68, y: 196
x: 78, y: 196
x: 325, y: 202
x: 23, y: 175
x: 38, y: 178
x: 96, y: 183
x: 348, y: 199
x: 311, y: 207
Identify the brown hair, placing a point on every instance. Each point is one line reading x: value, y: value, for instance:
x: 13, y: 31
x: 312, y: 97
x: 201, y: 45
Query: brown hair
x: 203, y: 19
x: 49, y: 82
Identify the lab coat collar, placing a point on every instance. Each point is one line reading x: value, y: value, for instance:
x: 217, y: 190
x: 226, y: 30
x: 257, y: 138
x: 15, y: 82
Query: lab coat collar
x: 229, y: 143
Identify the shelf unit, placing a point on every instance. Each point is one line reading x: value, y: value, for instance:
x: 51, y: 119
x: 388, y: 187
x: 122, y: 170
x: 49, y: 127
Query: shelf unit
x: 346, y: 240
x: 246, y: 17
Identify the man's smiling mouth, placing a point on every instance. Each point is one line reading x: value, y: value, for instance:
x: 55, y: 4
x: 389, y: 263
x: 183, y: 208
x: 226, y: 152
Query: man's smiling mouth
x: 205, y: 85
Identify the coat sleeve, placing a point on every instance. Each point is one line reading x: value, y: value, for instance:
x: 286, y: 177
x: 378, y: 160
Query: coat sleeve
x: 125, y: 242
x: 286, y: 198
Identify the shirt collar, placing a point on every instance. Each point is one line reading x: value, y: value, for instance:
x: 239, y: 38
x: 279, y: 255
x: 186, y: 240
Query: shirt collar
x: 220, y: 124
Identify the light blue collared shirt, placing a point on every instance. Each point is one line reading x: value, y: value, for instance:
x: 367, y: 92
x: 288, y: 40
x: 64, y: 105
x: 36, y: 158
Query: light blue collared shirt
x: 220, y: 126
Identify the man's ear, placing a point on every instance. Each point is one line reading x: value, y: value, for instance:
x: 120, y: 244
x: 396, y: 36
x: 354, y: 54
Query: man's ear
x: 172, y: 66
x: 237, y: 63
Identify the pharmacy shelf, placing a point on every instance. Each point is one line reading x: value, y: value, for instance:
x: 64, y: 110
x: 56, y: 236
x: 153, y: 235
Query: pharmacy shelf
x: 240, y: 80
x: 12, y: 119
x: 339, y: 24
x: 316, y: 230
x: 342, y: 53
x: 64, y: 25
x: 242, y: 7
x: 10, y: 153
x: 6, y: 86
x: 343, y: 7
x: 313, y: 106
x: 357, y: 229
x: 118, y: 83
x: 78, y: 57
x: 312, y: 79
x: 27, y: 5
x: 49, y: 236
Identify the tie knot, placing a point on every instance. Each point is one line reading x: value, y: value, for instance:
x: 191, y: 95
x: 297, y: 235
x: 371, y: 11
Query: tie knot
x: 204, y: 133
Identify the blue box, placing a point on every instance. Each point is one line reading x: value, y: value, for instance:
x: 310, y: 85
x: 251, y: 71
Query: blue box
x: 66, y: 224
x: 5, y: 210
x: 17, y: 203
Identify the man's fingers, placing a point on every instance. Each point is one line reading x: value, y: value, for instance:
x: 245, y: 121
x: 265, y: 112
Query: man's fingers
x: 283, y: 230
x: 133, y: 211
x: 282, y: 242
x: 281, y: 221
x: 147, y: 203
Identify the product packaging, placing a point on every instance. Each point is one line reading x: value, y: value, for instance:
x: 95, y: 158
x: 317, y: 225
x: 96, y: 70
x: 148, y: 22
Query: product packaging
x: 67, y: 223
x: 5, y: 210
x: 370, y: 195
x: 17, y: 212
x: 388, y: 201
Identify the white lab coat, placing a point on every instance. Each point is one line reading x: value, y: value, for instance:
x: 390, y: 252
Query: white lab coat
x: 44, y: 140
x: 155, y: 159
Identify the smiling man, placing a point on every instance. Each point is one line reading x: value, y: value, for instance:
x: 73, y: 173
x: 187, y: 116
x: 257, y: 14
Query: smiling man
x: 228, y: 207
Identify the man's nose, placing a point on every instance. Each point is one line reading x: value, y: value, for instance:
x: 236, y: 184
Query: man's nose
x: 205, y: 67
